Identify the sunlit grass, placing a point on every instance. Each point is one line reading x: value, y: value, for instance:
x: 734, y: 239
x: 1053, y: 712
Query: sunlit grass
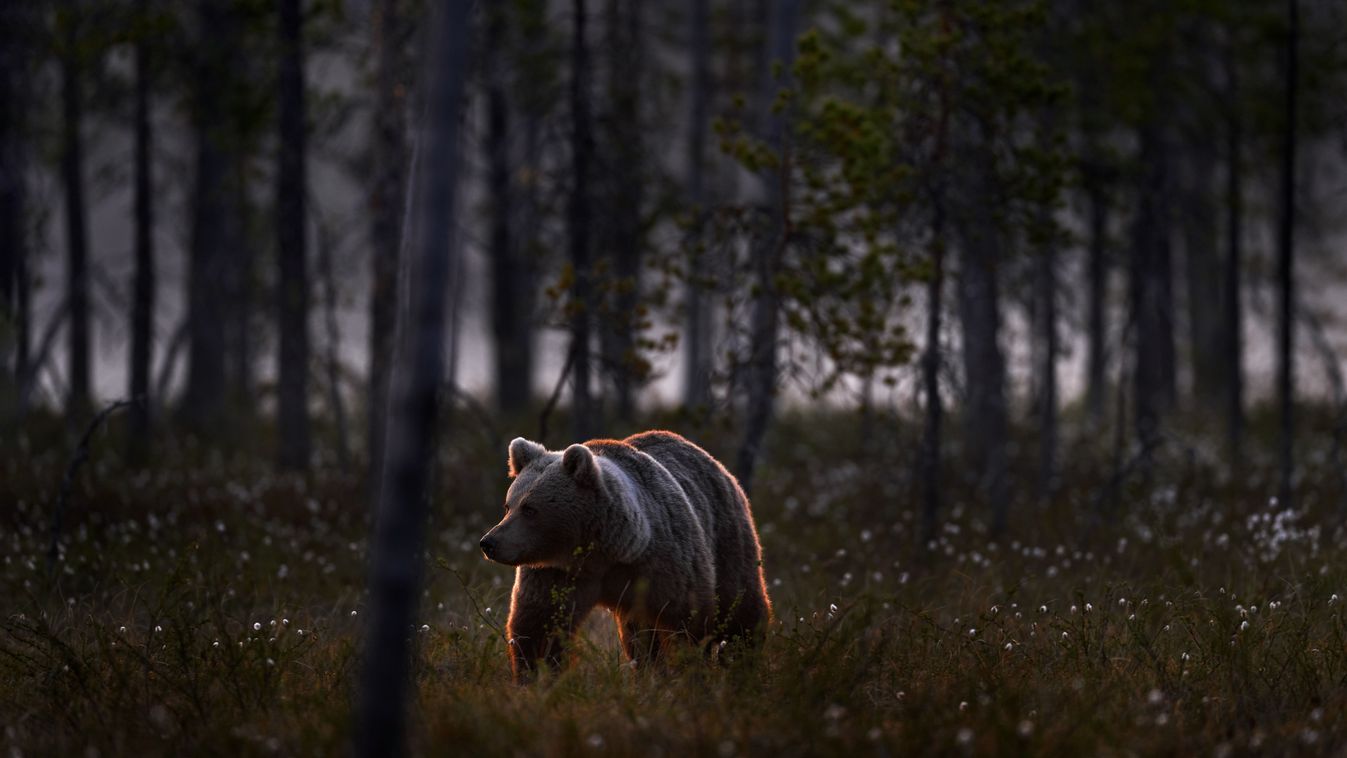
x: 215, y: 608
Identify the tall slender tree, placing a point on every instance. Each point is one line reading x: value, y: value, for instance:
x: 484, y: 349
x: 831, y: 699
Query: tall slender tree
x: 293, y: 292
x: 389, y: 158
x: 76, y: 218
x: 1232, y: 327
x: 767, y: 252
x: 1286, y: 248
x: 396, y: 564
x: 578, y: 229
x: 512, y: 279
x: 622, y: 232
x: 143, y: 282
x: 697, y: 340
x: 13, y: 199
x: 212, y: 214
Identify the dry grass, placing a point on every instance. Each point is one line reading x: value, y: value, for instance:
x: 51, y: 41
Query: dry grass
x: 210, y: 607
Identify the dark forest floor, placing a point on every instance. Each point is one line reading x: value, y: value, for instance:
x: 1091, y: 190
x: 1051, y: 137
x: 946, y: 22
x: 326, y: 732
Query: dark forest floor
x: 207, y: 605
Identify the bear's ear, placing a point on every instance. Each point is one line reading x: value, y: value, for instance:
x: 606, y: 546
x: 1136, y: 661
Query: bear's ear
x: 581, y: 465
x: 522, y: 453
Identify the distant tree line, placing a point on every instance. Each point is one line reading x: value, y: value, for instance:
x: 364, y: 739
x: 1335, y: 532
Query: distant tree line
x: 836, y: 196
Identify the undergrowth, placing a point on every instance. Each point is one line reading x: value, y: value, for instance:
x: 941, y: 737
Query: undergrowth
x: 209, y: 606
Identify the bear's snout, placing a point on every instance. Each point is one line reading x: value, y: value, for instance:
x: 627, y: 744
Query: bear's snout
x: 488, y: 546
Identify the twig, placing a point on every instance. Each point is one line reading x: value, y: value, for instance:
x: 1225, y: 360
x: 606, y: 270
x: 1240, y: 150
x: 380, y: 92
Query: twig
x: 556, y: 392
x: 68, y: 480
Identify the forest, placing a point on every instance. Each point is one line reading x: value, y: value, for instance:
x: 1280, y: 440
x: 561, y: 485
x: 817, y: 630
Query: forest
x: 1020, y: 323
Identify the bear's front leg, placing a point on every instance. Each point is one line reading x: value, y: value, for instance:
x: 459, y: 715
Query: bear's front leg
x: 546, y: 607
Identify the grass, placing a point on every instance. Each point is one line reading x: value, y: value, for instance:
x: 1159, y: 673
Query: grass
x: 209, y: 606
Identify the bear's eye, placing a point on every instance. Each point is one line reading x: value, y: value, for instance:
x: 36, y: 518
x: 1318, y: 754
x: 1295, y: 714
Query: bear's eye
x: 527, y: 510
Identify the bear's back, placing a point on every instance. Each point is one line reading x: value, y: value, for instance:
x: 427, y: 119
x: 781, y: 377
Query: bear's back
x: 725, y: 514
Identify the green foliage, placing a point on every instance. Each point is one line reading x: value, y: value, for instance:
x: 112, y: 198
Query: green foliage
x: 891, y: 107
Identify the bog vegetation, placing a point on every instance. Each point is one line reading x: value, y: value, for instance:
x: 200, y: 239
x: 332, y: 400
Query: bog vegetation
x: 210, y: 606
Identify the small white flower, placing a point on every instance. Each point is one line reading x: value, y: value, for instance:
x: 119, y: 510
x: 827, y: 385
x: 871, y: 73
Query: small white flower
x: 1042, y: 609
x: 1010, y: 646
x: 972, y: 632
x: 1065, y: 636
x: 1089, y: 607
x: 158, y: 629
x: 257, y: 626
x: 354, y: 613
x: 963, y: 706
x: 285, y: 622
x: 1333, y: 600
x: 215, y: 644
x: 1243, y: 625
x: 425, y: 627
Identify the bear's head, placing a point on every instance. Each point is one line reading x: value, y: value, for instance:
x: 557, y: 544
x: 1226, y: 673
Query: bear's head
x: 561, y: 505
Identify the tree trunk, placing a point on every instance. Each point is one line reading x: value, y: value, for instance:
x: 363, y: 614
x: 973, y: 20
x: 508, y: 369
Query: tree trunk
x: 1150, y: 291
x: 930, y: 374
x: 241, y: 262
x: 578, y: 229
x: 13, y: 199
x: 1286, y: 261
x: 512, y: 301
x: 293, y: 290
x: 208, y: 268
x: 396, y: 562
x: 77, y: 225
x: 1201, y: 258
x: 1045, y: 276
x: 1096, y: 268
x: 332, y: 360
x: 386, y: 211
x: 1233, y: 327
x: 623, y: 227
x: 697, y: 360
x: 984, y: 367
x: 143, y: 284
x: 764, y: 330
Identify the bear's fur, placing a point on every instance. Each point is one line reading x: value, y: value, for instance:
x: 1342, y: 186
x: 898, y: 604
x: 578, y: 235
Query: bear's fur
x: 651, y: 528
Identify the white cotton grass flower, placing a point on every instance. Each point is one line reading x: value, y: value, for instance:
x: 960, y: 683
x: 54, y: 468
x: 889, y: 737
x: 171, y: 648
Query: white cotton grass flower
x: 1333, y: 600
x: 257, y: 626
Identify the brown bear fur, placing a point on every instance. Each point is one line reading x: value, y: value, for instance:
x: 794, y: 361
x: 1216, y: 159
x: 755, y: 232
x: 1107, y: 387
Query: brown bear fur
x: 651, y: 528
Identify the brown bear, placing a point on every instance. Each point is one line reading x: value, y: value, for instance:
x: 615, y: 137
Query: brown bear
x: 651, y: 528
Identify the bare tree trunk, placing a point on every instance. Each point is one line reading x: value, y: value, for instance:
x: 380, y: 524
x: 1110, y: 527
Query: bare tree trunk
x: 1150, y: 292
x: 512, y: 279
x: 1096, y: 267
x: 1201, y: 258
x: 697, y: 360
x: 13, y: 200
x: 386, y: 210
x: 578, y: 222
x: 207, y: 300
x: 293, y: 291
x: 768, y: 251
x: 1232, y: 326
x: 333, y: 358
x: 1286, y: 261
x: 396, y: 562
x: 623, y: 226
x: 77, y: 224
x: 985, y: 422
x: 143, y: 285
x: 930, y: 374
x: 1046, y: 286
